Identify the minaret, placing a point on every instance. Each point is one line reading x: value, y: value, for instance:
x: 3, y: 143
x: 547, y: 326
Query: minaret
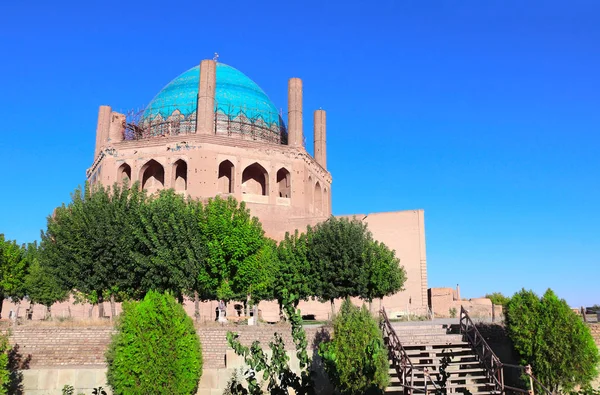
x: 102, y: 128
x: 205, y: 113
x: 320, y: 139
x: 295, y: 134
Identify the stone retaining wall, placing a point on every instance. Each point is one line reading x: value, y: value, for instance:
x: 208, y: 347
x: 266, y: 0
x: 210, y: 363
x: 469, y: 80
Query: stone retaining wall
x: 73, y: 346
x: 75, y: 355
x: 595, y: 329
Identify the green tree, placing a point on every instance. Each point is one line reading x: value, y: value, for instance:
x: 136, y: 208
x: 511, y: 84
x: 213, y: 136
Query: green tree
x: 40, y: 283
x: 356, y: 359
x: 232, y: 237
x: 294, y: 274
x: 498, y: 298
x: 256, y: 274
x: 13, y: 270
x: 170, y: 254
x: 87, y: 243
x: 550, y: 337
x: 383, y: 275
x: 156, y: 349
x: 337, y: 253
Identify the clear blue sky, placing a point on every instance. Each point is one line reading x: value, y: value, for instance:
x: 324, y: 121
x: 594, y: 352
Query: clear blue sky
x: 484, y: 113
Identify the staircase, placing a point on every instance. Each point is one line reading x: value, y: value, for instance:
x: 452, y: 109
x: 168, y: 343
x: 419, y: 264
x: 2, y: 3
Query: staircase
x: 425, y: 345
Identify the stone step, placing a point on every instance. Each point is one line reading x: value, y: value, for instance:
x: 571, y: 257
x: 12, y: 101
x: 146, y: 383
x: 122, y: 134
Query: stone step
x: 452, y: 381
x: 478, y: 371
x: 451, y: 352
x: 403, y: 330
x: 434, y: 368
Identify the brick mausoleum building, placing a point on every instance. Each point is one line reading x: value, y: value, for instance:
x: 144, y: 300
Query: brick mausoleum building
x: 213, y: 131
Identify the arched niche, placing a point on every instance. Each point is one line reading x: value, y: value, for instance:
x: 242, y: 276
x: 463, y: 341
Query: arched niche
x: 152, y: 176
x: 225, y: 180
x: 255, y: 180
x: 284, y: 183
x: 180, y: 173
x: 124, y: 173
x: 318, y: 198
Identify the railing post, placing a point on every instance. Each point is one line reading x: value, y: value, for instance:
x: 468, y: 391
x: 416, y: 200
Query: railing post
x: 530, y: 374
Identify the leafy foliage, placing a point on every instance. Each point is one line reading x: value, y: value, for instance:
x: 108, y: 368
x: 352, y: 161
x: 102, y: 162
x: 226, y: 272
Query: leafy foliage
x: 41, y: 284
x: 170, y: 253
x: 550, y: 337
x: 276, y: 371
x: 13, y: 269
x: 156, y: 349
x: 346, y: 261
x: 294, y: 273
x: 356, y: 359
x: 383, y: 275
x: 5, y: 381
x: 86, y: 243
x: 336, y: 252
x: 498, y: 298
x: 232, y: 238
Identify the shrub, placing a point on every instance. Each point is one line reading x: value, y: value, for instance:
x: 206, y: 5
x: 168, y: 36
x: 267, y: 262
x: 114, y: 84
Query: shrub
x: 452, y: 312
x: 498, y: 298
x: 547, y: 334
x: 4, y: 368
x: 156, y: 349
x: 356, y: 359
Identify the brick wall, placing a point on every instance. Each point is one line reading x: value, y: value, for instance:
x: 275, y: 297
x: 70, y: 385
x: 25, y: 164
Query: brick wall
x: 72, y: 346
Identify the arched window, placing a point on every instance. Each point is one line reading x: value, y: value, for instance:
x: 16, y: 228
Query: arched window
x: 255, y: 180
x: 124, y: 173
x: 284, y: 184
x: 180, y: 175
x: 226, y: 177
x: 318, y: 198
x: 153, y: 176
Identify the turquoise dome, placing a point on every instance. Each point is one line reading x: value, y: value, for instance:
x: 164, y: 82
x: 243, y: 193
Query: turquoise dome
x: 235, y: 95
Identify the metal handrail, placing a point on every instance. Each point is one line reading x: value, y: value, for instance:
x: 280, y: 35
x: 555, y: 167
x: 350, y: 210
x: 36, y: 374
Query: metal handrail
x: 493, y: 366
x: 397, y: 353
x: 490, y: 361
x: 529, y: 373
x: 400, y: 359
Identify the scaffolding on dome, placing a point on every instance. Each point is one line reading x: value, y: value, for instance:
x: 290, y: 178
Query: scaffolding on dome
x: 229, y: 121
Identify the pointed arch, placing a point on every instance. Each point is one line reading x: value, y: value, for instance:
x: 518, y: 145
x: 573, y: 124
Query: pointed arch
x: 255, y: 180
x: 284, y: 183
x: 124, y: 173
x: 152, y: 175
x: 309, y: 193
x: 180, y: 172
x: 225, y: 178
x: 318, y: 198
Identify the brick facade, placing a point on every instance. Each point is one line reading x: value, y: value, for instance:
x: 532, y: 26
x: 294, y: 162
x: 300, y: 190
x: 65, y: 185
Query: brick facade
x: 72, y: 346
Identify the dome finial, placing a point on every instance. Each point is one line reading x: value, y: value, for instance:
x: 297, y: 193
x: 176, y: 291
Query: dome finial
x: 216, y: 57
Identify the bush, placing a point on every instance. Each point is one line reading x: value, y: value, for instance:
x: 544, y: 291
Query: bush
x: 156, y: 349
x: 452, y: 312
x: 356, y: 359
x: 4, y: 368
x: 548, y: 335
x: 498, y: 298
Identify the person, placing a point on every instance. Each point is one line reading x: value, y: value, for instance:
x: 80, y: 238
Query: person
x: 222, y: 311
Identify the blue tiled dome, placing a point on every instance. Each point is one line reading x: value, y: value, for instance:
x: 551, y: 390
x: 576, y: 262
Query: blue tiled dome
x: 235, y: 95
